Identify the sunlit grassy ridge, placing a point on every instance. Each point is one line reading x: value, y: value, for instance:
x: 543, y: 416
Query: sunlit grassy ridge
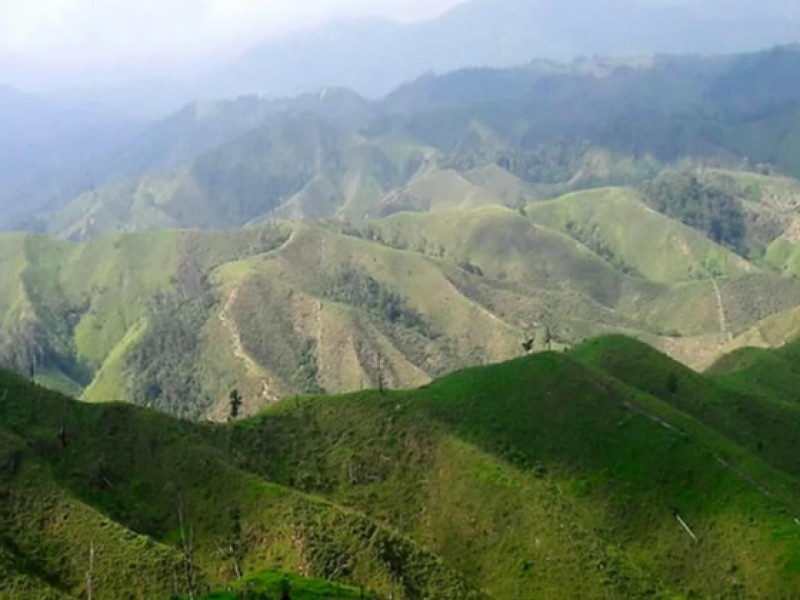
x: 558, y: 474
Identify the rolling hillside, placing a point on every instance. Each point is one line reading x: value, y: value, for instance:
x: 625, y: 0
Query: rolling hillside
x: 332, y: 243
x: 464, y: 139
x: 558, y: 474
x: 176, y: 320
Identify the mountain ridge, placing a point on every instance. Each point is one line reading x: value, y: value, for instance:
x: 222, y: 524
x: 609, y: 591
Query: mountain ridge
x: 395, y: 491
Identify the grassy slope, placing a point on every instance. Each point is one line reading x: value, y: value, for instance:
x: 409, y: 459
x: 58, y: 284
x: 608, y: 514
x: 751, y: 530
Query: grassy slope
x: 567, y: 282
x: 768, y: 373
x: 177, y: 465
x: 273, y: 584
x: 474, y: 282
x: 526, y: 479
x: 741, y: 405
x: 614, y: 221
x: 582, y: 451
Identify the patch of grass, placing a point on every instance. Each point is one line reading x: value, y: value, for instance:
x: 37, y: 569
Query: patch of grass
x: 277, y: 585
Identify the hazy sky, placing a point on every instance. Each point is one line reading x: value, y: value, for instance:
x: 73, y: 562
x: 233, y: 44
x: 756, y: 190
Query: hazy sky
x: 64, y: 37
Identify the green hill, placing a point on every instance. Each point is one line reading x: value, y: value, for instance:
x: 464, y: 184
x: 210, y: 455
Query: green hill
x: 291, y: 166
x: 463, y: 139
x: 748, y: 399
x: 176, y: 320
x: 618, y: 226
x: 558, y: 474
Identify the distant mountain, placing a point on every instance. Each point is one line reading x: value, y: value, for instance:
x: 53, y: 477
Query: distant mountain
x: 53, y: 153
x: 538, y: 131
x: 374, y: 56
x: 46, y: 150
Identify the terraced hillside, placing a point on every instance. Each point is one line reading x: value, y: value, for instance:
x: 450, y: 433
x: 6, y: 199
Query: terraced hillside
x: 608, y: 471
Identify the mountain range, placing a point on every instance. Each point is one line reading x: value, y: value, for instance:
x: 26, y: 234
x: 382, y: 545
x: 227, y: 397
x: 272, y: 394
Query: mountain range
x: 498, y: 332
x: 467, y: 36
x: 328, y: 154
x: 327, y: 242
x: 373, y: 56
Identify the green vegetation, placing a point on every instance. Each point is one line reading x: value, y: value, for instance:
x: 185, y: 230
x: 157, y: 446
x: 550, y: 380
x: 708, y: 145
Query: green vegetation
x: 277, y: 585
x: 424, y: 233
x: 446, y: 142
x: 684, y: 197
x: 175, y: 320
x: 608, y: 471
x: 357, y: 288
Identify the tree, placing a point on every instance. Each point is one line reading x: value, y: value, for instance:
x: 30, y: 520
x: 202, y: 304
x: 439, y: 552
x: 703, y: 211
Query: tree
x: 62, y: 435
x: 548, y: 338
x: 286, y: 589
x: 527, y: 345
x: 31, y: 362
x: 672, y: 383
x: 234, y: 549
x: 236, y: 404
x: 543, y: 339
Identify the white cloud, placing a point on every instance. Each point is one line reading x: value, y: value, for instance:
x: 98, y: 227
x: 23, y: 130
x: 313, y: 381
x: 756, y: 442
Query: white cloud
x: 76, y: 35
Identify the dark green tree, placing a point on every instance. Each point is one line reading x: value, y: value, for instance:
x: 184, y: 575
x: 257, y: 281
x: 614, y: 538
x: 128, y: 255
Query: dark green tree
x: 236, y: 404
x: 672, y: 383
x: 286, y: 589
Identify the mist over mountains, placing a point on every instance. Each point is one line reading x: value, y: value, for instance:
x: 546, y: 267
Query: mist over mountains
x: 504, y: 33
x: 372, y: 56
x: 561, y: 243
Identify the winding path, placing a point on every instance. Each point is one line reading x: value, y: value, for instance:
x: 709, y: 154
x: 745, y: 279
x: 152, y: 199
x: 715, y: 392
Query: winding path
x: 237, y: 346
x: 723, y: 321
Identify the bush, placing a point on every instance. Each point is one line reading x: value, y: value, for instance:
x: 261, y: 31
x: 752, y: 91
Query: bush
x: 357, y: 288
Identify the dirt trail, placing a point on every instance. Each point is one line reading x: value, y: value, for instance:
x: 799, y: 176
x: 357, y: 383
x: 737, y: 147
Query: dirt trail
x: 723, y: 321
x: 253, y: 369
x: 270, y: 391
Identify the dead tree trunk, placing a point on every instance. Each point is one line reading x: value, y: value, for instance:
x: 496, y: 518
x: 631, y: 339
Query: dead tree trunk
x: 380, y: 373
x: 187, y: 542
x: 685, y: 525
x: 237, y: 566
x: 90, y: 573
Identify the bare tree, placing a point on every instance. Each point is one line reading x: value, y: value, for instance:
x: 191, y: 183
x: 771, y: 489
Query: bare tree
x: 175, y: 590
x: 380, y: 373
x: 235, y: 543
x: 187, y: 544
